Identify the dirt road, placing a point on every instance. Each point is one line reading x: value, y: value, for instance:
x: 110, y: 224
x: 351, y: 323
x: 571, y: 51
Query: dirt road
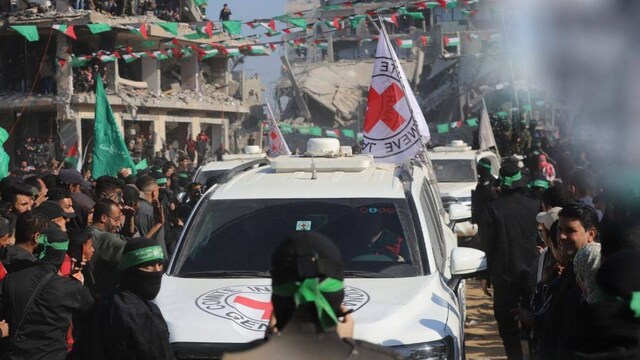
x: 482, y: 340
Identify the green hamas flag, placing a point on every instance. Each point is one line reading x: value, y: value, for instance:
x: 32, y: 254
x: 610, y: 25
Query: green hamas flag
x: 233, y: 27
x: 4, y: 157
x: 110, y: 154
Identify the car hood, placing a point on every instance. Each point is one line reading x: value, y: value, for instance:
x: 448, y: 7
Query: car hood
x: 457, y: 189
x: 388, y: 311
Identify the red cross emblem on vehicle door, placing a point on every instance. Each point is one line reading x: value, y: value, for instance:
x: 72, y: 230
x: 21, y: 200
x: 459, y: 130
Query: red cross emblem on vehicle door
x: 380, y: 107
x: 265, y: 306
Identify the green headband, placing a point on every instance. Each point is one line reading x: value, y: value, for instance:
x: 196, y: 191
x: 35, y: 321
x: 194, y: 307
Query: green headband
x: 183, y: 175
x: 44, y: 240
x: 311, y: 290
x: 509, y: 180
x: 540, y: 183
x: 486, y: 166
x: 161, y: 181
x: 143, y: 255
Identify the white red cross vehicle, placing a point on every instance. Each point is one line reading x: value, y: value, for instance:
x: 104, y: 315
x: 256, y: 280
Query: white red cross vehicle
x: 404, y: 274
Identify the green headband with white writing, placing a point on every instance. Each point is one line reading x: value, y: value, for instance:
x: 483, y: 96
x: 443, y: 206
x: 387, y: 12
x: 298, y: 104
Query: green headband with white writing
x: 137, y: 257
x: 486, y: 166
x: 43, y: 239
x: 311, y: 290
x: 509, y: 180
x: 540, y: 183
x: 161, y: 181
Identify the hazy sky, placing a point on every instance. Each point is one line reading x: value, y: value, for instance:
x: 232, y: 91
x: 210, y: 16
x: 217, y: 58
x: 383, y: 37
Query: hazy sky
x: 267, y: 66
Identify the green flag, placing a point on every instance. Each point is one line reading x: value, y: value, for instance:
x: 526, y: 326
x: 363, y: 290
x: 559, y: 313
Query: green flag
x: 30, y: 32
x: 233, y: 27
x: 171, y: 27
x: 4, y: 157
x: 110, y: 154
x: 473, y: 122
x: 142, y: 165
x: 299, y: 22
x: 98, y: 28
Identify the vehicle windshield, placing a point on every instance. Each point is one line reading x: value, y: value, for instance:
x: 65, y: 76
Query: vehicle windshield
x: 235, y: 238
x: 455, y: 170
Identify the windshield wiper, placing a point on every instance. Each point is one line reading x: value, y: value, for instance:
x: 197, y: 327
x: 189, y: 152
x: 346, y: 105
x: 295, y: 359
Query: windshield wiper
x: 361, y: 274
x: 227, y: 274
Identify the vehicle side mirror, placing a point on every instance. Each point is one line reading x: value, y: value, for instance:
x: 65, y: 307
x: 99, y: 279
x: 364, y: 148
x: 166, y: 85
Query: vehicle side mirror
x: 467, y: 262
x: 458, y: 213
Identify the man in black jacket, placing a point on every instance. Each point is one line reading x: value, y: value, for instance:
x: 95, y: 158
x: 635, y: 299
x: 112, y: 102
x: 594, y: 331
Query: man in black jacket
x: 484, y: 192
x: 126, y: 324
x: 508, y: 231
x: 20, y: 255
x: 38, y: 303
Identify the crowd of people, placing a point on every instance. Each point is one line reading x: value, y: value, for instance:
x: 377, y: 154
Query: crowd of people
x: 80, y: 257
x: 84, y: 78
x: 561, y: 234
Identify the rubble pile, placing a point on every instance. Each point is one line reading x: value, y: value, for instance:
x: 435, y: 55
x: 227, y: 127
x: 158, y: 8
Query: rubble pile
x: 209, y: 94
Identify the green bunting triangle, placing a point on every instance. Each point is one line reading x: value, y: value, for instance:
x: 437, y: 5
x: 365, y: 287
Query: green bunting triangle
x: 315, y: 131
x: 299, y: 22
x: 98, y: 28
x: 171, y: 27
x: 348, y: 133
x: 29, y: 32
x: 233, y: 27
x: 354, y: 21
x: 443, y: 128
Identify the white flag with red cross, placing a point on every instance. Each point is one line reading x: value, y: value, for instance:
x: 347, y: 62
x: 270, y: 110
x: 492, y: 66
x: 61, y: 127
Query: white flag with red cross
x: 394, y: 126
x: 277, y: 144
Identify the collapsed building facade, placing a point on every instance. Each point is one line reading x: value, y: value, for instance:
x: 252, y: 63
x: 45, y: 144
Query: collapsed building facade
x: 452, y: 56
x: 163, y: 81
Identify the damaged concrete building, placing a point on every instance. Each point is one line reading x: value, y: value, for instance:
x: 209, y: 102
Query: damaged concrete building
x: 163, y: 82
x: 451, y: 56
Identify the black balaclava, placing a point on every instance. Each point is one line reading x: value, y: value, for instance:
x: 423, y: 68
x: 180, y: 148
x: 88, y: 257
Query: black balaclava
x: 305, y: 255
x: 140, y: 252
x: 52, y: 244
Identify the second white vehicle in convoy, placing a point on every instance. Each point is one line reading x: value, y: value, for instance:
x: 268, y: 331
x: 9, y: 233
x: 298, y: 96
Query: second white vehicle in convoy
x: 404, y: 272
x: 455, y: 168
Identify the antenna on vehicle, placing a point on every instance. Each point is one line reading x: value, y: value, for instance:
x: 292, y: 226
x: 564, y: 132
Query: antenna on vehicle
x: 314, y: 173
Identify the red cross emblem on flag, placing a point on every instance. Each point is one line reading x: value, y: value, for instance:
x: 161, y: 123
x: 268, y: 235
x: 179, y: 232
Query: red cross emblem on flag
x: 381, y: 107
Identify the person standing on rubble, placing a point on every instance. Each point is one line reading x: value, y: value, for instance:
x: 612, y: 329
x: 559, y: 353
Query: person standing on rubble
x: 225, y: 13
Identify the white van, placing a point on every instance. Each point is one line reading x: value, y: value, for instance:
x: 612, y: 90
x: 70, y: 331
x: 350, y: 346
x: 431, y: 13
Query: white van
x: 455, y: 168
x: 408, y: 294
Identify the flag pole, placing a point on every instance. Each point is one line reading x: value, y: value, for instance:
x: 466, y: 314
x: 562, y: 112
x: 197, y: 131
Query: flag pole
x: 381, y: 30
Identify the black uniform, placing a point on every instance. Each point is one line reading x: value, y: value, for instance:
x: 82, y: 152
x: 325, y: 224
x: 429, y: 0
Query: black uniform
x: 125, y: 326
x: 16, y: 258
x: 508, y: 234
x: 42, y: 334
x: 481, y: 196
x: 301, y: 339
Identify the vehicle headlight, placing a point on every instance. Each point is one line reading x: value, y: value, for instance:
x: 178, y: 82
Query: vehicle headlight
x: 434, y: 350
